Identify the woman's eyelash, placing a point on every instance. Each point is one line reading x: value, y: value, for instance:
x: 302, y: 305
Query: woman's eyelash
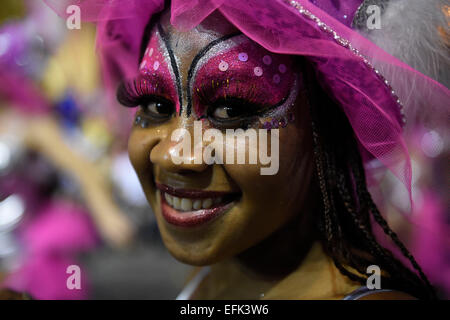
x: 132, y: 93
x: 238, y: 94
x: 250, y: 107
x: 249, y: 110
x: 127, y: 97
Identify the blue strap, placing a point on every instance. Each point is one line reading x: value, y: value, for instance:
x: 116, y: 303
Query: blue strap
x: 362, y: 292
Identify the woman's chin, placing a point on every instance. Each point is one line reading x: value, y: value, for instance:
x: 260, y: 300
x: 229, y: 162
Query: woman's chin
x: 193, y: 257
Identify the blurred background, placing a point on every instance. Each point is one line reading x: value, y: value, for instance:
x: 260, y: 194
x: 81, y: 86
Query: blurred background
x: 68, y: 194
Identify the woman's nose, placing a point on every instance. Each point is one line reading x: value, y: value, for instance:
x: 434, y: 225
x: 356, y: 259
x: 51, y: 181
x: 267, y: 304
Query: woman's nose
x: 177, y: 153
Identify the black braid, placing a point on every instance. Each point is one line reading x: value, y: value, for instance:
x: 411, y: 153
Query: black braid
x: 347, y: 207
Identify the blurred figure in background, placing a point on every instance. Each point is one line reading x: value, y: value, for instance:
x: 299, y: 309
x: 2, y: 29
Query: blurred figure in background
x: 63, y: 191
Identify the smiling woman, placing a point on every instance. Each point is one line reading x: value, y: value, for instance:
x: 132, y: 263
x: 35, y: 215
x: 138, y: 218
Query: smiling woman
x: 238, y: 204
x: 285, y: 67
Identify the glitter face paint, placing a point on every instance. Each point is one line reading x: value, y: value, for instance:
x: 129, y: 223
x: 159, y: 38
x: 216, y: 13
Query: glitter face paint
x: 232, y: 67
x: 157, y: 71
x: 252, y: 197
x: 238, y: 68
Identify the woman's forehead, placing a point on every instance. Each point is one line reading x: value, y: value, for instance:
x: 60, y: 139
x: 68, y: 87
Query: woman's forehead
x: 212, y: 27
x: 213, y: 37
x: 186, y: 44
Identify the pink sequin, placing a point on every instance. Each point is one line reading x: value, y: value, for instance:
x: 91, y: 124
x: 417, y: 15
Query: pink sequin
x: 243, y: 56
x: 223, y: 66
x: 267, y: 60
x: 276, y: 78
x: 258, y: 71
x: 246, y: 80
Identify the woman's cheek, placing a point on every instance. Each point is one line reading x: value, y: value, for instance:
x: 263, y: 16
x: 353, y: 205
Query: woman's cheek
x: 140, y: 144
x: 263, y: 189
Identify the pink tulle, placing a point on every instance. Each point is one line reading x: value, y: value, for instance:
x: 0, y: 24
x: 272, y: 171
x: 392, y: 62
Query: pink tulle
x: 282, y: 27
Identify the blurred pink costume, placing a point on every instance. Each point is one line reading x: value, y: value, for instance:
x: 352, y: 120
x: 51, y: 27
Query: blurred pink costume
x: 52, y: 240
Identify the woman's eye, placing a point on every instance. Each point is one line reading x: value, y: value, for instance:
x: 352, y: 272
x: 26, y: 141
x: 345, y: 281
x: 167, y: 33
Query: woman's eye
x: 231, y: 115
x: 158, y: 110
x: 225, y: 113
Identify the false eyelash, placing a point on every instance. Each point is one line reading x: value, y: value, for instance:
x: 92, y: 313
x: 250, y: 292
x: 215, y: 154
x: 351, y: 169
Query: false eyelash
x: 252, y: 109
x: 244, y: 123
x: 132, y: 93
x: 236, y: 102
x: 125, y: 96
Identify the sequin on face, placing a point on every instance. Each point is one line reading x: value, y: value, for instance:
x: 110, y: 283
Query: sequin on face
x: 248, y: 80
x: 276, y: 78
x: 223, y: 66
x: 236, y: 67
x: 243, y: 56
x: 267, y: 60
x: 258, y: 71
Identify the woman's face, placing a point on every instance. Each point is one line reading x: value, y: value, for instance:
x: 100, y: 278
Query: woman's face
x: 213, y: 77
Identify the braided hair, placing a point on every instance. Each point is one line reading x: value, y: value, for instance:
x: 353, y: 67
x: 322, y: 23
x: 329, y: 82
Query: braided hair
x: 347, y: 210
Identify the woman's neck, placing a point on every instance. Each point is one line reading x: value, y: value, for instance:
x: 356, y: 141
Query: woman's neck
x: 315, y: 278
x: 252, y: 273
x: 289, y: 264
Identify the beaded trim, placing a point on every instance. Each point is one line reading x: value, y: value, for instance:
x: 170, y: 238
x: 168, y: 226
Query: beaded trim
x: 346, y: 44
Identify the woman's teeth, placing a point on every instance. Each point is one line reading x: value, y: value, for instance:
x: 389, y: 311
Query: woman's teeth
x: 185, y: 204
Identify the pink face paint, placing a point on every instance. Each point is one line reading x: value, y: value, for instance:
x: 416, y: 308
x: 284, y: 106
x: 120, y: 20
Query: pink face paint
x: 245, y: 71
x: 155, y: 74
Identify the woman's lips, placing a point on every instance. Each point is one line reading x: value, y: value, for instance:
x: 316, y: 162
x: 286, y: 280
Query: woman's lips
x: 189, y: 208
x: 191, y: 194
